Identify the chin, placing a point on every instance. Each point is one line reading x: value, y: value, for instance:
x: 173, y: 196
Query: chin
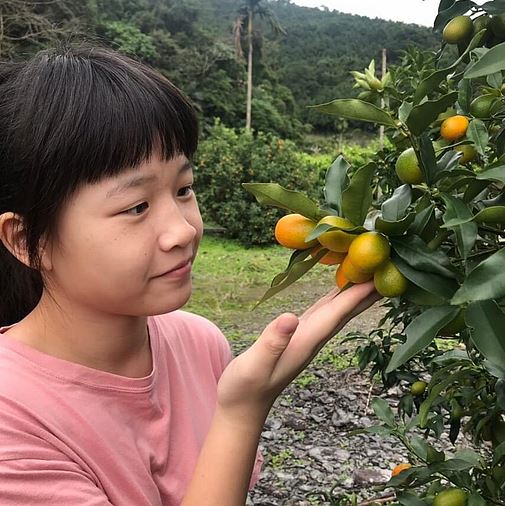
x: 175, y: 300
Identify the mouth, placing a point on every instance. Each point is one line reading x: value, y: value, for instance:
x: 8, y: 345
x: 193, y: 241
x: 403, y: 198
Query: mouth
x: 180, y: 269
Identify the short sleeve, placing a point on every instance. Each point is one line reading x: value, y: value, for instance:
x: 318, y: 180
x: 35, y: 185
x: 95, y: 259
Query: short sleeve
x: 34, y: 472
x: 30, y: 481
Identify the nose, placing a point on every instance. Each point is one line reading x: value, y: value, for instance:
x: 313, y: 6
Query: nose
x: 178, y: 229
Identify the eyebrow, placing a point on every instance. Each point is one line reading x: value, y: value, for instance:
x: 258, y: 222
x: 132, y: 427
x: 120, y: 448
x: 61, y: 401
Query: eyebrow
x: 138, y: 181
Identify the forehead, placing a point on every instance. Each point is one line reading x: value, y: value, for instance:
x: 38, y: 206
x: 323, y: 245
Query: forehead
x: 150, y: 172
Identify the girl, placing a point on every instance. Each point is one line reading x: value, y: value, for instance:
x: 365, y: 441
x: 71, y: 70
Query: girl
x: 109, y: 394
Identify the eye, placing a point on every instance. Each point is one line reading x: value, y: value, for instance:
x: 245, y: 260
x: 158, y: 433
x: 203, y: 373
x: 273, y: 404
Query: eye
x: 185, y: 191
x: 138, y: 209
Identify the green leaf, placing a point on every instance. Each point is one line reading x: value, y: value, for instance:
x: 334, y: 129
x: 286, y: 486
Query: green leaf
x: 448, y: 162
x: 465, y: 95
x: 491, y: 62
x: 336, y: 181
x: 492, y: 214
x: 431, y: 82
x: 415, y: 252
x: 484, y: 282
x: 499, y: 453
x: 296, y: 256
x: 487, y: 321
x: 393, y: 209
x: 394, y: 228
x: 357, y: 197
x: 404, y: 111
x: 428, y: 160
x: 494, y: 7
x: 295, y: 271
x: 476, y: 500
x: 473, y: 189
x: 451, y: 465
x: 435, y: 284
x: 472, y: 457
x: 466, y: 233
x: 423, y: 220
x: 352, y: 108
x: 409, y: 499
x: 477, y: 133
x: 494, y: 80
x: 456, y: 9
x: 494, y: 174
x: 421, y: 332
x: 421, y: 297
x: 273, y: 194
x: 435, y: 390
x: 321, y: 228
x: 383, y: 411
x: 424, y: 114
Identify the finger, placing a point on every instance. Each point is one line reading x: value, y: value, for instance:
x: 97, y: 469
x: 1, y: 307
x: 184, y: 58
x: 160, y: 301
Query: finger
x: 362, y: 306
x: 323, y: 300
x: 273, y: 341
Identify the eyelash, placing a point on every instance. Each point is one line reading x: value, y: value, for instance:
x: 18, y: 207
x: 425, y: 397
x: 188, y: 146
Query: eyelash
x: 188, y: 190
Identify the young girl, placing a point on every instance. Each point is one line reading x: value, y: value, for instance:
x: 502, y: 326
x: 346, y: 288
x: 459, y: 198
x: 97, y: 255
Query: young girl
x: 109, y: 393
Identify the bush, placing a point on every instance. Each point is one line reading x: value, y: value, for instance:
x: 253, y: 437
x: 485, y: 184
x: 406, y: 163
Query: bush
x: 225, y: 159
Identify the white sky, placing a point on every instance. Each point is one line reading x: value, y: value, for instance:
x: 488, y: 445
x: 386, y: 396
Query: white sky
x: 421, y: 12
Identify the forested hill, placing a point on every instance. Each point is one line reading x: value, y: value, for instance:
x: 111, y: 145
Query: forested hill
x: 320, y: 47
x: 191, y: 42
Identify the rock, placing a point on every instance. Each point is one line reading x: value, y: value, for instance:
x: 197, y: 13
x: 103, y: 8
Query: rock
x: 368, y: 477
x: 295, y: 423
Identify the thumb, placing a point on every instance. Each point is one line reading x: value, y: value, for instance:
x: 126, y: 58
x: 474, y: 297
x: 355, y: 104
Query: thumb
x: 274, y: 339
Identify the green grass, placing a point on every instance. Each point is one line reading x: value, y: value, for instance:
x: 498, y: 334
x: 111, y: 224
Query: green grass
x: 229, y: 279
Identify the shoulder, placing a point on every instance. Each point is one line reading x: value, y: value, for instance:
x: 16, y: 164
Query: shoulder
x: 192, y: 325
x: 182, y: 330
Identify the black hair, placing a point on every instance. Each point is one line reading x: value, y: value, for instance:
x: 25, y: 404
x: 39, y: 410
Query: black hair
x: 68, y: 117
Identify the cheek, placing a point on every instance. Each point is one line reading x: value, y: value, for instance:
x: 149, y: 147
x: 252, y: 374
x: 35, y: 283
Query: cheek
x: 196, y: 221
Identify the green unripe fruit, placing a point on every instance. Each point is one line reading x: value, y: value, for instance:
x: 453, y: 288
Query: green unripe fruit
x: 451, y: 497
x: 493, y: 214
x: 480, y: 23
x: 481, y: 107
x: 407, y: 167
x: 418, y: 388
x: 469, y: 152
x: 458, y: 30
x: 389, y: 281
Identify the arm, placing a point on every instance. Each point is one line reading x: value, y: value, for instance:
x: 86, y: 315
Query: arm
x: 251, y: 383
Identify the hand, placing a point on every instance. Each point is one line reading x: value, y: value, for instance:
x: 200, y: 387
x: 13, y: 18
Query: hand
x: 252, y: 381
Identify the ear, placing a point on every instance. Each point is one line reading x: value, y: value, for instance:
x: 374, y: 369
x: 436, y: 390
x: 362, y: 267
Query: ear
x: 13, y: 237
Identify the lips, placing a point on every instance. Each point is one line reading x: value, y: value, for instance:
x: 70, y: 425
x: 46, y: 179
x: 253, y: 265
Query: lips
x: 176, y: 267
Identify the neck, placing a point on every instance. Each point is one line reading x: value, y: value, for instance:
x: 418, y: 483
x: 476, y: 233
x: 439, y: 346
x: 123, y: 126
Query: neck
x: 113, y: 343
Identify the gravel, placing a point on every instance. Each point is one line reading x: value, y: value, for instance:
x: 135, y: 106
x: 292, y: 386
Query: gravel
x: 306, y: 440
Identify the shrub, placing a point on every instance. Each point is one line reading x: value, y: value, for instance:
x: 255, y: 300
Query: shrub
x: 226, y: 158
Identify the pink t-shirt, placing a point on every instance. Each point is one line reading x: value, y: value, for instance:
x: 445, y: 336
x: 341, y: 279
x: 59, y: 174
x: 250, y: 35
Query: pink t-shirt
x: 73, y: 435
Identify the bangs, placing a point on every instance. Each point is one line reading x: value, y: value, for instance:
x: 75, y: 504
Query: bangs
x: 99, y: 114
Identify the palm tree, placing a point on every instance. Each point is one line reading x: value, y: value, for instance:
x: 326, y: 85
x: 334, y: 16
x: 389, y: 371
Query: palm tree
x: 245, y: 18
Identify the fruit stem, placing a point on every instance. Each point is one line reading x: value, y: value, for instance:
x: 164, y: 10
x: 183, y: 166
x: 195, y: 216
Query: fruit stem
x: 438, y: 240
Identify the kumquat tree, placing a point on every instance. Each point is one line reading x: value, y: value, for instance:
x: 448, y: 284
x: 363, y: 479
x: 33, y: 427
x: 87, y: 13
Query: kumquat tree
x: 425, y: 219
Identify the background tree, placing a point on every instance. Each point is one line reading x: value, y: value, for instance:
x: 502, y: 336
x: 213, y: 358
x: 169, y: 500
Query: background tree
x: 246, y: 14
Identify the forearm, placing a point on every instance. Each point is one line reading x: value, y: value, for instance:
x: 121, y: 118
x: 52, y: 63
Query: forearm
x: 225, y: 464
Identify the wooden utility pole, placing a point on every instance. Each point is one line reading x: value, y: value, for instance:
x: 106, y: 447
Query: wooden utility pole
x: 381, y: 129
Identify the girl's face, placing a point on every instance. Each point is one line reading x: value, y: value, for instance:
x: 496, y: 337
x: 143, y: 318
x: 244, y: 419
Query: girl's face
x: 125, y: 245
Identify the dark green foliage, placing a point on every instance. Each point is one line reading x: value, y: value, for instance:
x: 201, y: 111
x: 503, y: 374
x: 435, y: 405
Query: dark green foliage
x: 190, y: 41
x: 228, y: 158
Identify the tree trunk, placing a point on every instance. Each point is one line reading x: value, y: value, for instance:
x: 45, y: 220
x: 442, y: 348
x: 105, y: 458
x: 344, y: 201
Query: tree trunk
x: 249, y: 69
